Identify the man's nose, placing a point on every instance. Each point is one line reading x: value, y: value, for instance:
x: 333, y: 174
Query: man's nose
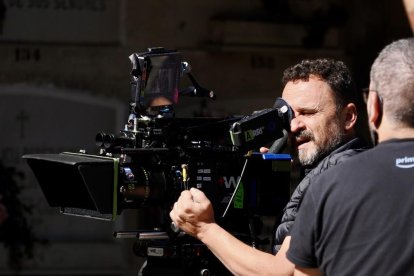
x: 296, y: 124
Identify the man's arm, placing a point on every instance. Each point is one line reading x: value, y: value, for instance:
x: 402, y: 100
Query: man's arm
x: 193, y: 213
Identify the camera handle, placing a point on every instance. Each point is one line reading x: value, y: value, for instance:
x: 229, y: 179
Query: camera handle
x: 196, y: 90
x: 279, y: 145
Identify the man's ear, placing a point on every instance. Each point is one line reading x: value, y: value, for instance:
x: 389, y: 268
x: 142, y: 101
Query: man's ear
x: 350, y: 115
x: 374, y: 110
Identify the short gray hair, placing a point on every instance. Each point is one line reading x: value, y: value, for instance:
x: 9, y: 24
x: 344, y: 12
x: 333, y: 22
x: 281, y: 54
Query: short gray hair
x: 392, y: 76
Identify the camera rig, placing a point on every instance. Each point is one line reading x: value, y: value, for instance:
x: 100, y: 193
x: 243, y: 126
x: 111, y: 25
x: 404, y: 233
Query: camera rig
x: 156, y: 156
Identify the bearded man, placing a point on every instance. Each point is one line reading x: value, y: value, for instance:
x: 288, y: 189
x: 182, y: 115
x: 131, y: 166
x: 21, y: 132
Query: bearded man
x: 323, y: 97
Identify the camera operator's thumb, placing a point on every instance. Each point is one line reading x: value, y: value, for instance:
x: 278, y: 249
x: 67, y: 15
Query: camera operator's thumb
x: 202, y: 213
x: 198, y: 195
x: 264, y: 150
x: 203, y: 206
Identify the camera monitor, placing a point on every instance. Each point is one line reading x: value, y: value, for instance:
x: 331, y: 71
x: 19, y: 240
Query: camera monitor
x: 155, y: 77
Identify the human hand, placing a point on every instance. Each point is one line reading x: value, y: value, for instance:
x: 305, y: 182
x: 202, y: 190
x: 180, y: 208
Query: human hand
x: 192, y: 212
x: 263, y: 150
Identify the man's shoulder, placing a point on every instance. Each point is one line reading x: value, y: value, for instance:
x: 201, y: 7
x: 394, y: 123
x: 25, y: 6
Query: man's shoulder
x: 338, y: 156
x: 348, y: 161
x: 341, y: 154
x: 381, y: 152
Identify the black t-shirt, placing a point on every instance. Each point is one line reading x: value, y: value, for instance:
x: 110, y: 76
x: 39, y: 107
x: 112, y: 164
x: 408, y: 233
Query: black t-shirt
x: 358, y: 218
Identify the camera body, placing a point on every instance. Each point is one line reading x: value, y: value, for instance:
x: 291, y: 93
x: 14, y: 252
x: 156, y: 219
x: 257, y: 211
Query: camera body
x: 157, y: 156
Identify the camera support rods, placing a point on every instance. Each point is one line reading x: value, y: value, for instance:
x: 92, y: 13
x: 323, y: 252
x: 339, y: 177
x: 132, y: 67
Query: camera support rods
x: 147, y: 235
x: 196, y: 89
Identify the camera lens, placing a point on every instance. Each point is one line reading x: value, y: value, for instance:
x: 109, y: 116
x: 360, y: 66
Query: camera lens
x: 99, y: 139
x: 108, y: 140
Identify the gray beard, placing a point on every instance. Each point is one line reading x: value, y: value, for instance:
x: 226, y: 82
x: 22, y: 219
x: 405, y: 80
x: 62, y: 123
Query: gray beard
x: 320, y: 151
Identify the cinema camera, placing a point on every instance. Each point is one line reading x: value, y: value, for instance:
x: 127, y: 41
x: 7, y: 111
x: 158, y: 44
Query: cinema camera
x: 156, y: 156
